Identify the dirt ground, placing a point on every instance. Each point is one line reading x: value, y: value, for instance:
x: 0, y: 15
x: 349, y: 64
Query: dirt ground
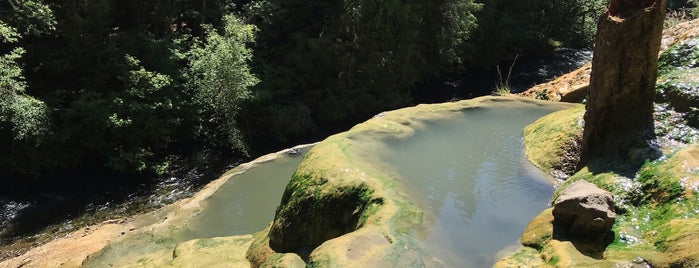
x: 72, y: 249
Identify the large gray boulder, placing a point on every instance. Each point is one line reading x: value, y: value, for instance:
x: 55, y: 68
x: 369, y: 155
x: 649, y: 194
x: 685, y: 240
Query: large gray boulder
x: 584, y: 210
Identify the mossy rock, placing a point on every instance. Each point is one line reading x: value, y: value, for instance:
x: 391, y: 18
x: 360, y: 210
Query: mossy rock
x: 212, y: 252
x: 678, y: 79
x: 682, y: 242
x: 682, y: 55
x: 551, y: 143
x: 658, y: 221
x: 139, y: 249
x: 680, y: 88
x: 673, y: 127
x: 539, y: 231
x: 287, y: 260
x: 611, y: 176
x: 344, y: 207
x: 526, y: 257
x: 692, y: 117
x: 673, y: 181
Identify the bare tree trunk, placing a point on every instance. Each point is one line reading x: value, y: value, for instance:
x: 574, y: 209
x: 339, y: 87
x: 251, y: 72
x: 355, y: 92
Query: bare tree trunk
x: 624, y: 70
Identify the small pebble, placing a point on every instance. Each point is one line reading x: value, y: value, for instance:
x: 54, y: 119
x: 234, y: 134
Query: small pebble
x: 294, y: 152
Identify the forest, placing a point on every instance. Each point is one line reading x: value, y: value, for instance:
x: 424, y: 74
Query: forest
x: 118, y: 92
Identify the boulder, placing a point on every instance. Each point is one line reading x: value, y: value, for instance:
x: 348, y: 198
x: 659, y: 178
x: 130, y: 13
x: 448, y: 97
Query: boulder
x: 584, y: 210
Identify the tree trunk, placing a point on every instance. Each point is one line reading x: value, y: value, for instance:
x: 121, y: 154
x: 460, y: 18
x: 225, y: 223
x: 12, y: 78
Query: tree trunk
x: 619, y: 111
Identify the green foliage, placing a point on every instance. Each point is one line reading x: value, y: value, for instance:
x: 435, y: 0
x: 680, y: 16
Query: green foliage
x: 141, y: 118
x: 329, y: 61
x: 220, y: 78
x: 459, y: 23
x: 11, y: 78
x: 8, y: 34
x: 31, y: 17
x: 25, y: 116
x: 506, y: 28
x: 128, y: 84
x: 502, y: 86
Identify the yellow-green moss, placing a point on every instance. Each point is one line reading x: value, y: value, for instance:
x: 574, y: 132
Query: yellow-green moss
x: 526, y: 257
x: 551, y: 142
x: 212, y: 252
x: 539, y: 231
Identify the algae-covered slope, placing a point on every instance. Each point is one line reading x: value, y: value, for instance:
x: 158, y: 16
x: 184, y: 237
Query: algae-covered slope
x: 657, y: 202
x: 657, y: 222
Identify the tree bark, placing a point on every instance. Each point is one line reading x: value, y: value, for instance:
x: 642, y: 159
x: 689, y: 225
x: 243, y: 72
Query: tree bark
x: 619, y: 110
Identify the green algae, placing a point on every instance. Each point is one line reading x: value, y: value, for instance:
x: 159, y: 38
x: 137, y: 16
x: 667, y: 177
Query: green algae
x: 678, y: 86
x: 683, y: 54
x: 539, y: 231
x: 657, y: 207
x: 658, y: 184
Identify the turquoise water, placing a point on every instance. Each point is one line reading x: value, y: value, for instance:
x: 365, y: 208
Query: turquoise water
x: 471, y: 176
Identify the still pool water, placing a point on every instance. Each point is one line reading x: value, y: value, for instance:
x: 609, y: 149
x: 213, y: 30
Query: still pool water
x: 471, y: 176
x: 245, y: 203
